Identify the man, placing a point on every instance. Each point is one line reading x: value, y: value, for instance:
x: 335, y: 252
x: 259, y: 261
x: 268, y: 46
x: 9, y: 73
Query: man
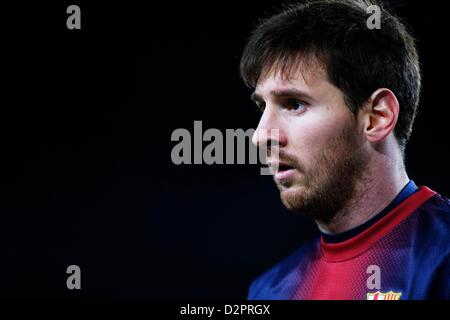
x: 343, y: 98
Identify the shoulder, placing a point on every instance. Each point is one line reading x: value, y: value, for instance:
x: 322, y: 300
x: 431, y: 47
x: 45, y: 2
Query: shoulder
x: 440, y: 205
x: 432, y: 243
x: 434, y: 218
x: 261, y: 287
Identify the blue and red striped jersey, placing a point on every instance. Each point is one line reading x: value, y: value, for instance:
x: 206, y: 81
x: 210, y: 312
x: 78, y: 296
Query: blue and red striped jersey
x: 403, y: 254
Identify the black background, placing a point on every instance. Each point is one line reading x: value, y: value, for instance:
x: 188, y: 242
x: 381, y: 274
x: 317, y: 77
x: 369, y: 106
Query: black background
x: 86, y: 174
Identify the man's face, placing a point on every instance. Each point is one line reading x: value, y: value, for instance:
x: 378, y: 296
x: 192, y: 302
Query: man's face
x: 319, y: 142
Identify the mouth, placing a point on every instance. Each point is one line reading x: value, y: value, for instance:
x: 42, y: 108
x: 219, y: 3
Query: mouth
x: 284, y: 167
x: 282, y: 170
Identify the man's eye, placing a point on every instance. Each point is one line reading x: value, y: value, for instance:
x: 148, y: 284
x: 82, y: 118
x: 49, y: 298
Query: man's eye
x: 294, y: 105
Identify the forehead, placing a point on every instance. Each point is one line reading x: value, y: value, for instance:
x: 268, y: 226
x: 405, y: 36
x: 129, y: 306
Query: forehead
x: 308, y: 77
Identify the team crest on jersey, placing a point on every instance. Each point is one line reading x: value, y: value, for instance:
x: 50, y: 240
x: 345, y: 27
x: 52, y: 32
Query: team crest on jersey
x: 391, y: 295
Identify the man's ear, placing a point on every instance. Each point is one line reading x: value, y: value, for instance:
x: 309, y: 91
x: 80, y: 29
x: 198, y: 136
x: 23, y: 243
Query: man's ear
x: 381, y: 115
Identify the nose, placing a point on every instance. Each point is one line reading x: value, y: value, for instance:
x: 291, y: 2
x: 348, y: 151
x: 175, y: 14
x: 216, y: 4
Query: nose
x: 269, y: 132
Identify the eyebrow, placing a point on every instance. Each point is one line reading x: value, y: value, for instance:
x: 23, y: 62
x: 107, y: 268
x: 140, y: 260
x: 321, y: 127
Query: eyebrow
x: 281, y: 93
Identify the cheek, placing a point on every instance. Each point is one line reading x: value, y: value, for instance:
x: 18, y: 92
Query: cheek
x: 309, y: 137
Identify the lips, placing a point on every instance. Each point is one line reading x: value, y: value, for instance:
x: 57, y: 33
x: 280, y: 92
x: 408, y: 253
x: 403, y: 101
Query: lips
x: 281, y: 170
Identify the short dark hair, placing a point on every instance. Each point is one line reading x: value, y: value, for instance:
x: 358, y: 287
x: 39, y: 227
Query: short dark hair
x: 358, y: 60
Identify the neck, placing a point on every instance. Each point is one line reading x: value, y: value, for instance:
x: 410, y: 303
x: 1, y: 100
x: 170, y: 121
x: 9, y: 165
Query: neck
x: 381, y: 182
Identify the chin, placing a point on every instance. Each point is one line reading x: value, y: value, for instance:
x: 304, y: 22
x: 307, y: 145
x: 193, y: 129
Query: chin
x: 293, y: 198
